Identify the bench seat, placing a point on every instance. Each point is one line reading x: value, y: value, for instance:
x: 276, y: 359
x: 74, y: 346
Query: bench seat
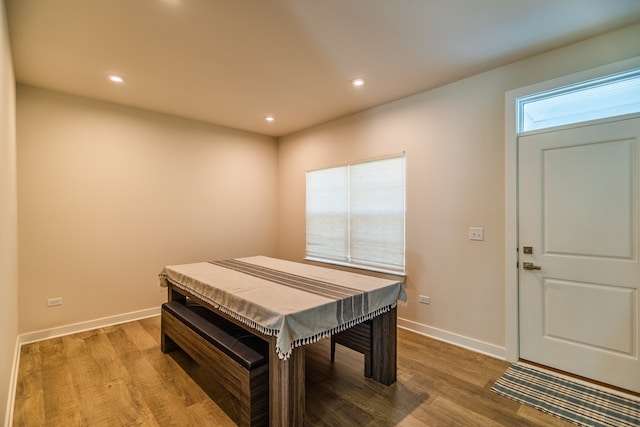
x: 237, y: 358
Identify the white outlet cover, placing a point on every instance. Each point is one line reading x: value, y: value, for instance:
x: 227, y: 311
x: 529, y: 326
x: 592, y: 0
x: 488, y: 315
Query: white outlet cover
x: 476, y: 233
x: 53, y: 302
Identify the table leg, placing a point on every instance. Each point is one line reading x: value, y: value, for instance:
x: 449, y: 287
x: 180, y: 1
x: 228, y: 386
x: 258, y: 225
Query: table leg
x: 173, y: 294
x: 286, y: 388
x: 384, y: 347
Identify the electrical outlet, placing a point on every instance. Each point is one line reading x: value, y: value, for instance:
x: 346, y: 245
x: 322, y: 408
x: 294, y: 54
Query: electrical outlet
x: 476, y: 233
x: 52, y: 302
x: 425, y: 299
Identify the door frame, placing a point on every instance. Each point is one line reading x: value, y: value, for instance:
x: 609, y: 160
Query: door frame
x: 512, y: 333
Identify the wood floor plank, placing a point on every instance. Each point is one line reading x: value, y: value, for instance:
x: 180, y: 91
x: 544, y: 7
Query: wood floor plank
x: 444, y: 412
x: 139, y: 336
x: 165, y: 406
x: 539, y: 418
x: 207, y: 410
x: 117, y: 375
x: 30, y: 406
x: 152, y: 326
x: 60, y: 396
x: 107, y: 382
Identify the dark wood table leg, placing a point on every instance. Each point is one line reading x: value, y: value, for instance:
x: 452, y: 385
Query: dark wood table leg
x: 384, y: 347
x: 286, y: 388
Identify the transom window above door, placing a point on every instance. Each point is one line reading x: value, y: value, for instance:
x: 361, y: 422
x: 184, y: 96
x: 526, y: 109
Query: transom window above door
x: 610, y: 96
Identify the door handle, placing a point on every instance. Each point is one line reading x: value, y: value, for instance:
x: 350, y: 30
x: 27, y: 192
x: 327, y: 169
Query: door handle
x: 530, y: 266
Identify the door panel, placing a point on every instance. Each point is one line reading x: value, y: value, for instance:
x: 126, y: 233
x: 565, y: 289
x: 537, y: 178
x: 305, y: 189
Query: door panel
x: 588, y: 201
x: 578, y: 210
x: 569, y: 309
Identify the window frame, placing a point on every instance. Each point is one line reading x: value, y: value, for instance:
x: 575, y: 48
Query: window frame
x: 588, y: 88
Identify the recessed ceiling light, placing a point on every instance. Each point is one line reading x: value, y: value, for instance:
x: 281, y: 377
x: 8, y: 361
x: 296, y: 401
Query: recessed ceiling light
x: 269, y: 118
x: 116, y: 78
x: 358, y: 82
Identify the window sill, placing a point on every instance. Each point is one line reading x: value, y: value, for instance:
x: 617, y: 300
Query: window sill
x: 357, y: 266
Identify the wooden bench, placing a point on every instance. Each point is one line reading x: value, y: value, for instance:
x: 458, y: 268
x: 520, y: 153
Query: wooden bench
x: 236, y: 358
x: 358, y: 338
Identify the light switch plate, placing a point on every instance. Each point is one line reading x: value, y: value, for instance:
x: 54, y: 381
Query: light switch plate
x: 476, y: 233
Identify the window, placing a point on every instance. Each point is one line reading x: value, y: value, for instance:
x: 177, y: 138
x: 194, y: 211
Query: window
x: 597, y: 99
x: 356, y: 214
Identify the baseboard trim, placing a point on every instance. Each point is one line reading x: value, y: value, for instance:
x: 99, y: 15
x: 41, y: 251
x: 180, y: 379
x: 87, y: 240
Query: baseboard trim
x: 59, y: 331
x: 453, y: 338
x: 13, y: 381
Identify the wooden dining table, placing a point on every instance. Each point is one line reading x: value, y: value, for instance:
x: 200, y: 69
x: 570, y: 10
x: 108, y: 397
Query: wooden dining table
x: 292, y: 304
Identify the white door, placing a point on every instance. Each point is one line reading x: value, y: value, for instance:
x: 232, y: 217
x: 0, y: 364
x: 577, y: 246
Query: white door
x: 578, y: 195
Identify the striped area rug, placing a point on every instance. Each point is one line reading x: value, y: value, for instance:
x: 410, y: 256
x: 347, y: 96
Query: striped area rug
x: 563, y: 398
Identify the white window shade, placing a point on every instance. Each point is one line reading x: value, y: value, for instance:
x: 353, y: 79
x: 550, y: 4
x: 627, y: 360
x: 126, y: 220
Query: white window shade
x: 327, y: 213
x: 356, y: 214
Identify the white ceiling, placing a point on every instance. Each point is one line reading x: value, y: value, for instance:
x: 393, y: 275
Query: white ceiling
x: 232, y: 62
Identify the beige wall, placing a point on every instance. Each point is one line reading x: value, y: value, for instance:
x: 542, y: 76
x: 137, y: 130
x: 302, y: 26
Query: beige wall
x: 454, y: 140
x: 108, y: 195
x: 8, y: 219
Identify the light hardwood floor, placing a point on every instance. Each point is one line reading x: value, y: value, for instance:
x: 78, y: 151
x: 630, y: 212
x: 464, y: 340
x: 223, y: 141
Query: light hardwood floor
x: 117, y: 376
